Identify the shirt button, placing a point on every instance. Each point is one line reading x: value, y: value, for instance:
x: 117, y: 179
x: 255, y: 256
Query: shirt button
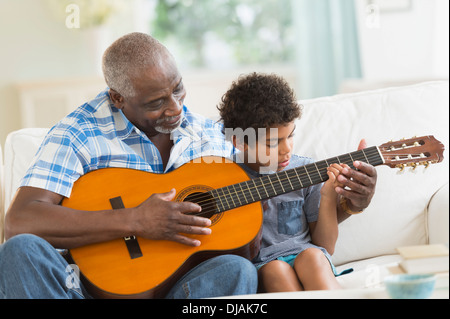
x: 155, y: 158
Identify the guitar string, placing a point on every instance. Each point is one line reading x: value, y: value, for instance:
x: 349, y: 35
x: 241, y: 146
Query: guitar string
x: 300, y: 175
x: 213, y: 204
x: 403, y: 154
x: 312, y: 175
x: 250, y: 190
x: 211, y: 201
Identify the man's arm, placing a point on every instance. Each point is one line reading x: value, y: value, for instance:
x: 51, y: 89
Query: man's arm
x: 37, y: 211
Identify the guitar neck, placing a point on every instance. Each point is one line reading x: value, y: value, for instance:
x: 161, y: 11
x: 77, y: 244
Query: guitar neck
x: 272, y: 185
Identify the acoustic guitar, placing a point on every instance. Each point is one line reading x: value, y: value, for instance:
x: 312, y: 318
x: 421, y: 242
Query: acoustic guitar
x: 141, y: 268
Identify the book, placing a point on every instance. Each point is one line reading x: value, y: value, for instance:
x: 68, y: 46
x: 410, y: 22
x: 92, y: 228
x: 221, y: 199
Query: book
x: 424, y: 258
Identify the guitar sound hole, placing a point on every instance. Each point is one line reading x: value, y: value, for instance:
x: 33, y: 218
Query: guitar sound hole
x: 206, y: 202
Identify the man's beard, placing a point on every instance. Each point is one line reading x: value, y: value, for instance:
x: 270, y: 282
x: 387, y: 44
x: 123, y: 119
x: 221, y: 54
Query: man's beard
x: 167, y: 130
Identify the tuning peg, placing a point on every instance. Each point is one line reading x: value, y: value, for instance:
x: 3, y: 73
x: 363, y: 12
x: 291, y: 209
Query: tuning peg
x: 425, y: 163
x: 401, y: 167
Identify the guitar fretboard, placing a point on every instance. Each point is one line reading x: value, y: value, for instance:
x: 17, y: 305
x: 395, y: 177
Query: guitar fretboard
x: 272, y: 185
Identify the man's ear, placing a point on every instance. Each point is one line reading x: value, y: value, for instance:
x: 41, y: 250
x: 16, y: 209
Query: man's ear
x: 116, y: 98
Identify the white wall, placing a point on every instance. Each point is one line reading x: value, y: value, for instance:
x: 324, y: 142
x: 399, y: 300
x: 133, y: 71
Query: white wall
x: 410, y: 45
x: 441, y: 39
x: 405, y: 45
x: 36, y: 45
x: 32, y: 46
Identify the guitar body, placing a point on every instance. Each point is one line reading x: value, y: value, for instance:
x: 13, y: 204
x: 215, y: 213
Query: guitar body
x: 107, y: 268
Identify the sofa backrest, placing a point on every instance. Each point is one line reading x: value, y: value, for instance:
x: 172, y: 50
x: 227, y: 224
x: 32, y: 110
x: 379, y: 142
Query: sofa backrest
x: 333, y: 126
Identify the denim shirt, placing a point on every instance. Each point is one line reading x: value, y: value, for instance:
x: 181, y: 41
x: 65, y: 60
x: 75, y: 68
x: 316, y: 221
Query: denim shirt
x: 287, y: 217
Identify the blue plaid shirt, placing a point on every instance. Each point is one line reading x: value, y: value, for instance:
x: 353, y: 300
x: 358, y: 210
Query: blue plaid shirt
x: 98, y: 135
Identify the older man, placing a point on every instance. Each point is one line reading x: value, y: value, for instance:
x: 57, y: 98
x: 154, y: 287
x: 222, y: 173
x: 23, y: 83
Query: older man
x: 140, y: 123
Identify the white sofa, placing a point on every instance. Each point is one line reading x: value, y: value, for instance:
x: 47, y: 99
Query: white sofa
x: 409, y: 208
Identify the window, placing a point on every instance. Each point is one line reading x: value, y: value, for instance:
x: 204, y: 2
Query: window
x: 226, y: 33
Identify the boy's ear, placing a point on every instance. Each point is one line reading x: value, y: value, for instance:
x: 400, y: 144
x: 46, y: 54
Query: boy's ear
x: 239, y: 145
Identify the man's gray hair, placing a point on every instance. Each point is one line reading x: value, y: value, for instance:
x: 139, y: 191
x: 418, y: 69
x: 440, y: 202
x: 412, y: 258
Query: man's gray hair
x: 126, y: 57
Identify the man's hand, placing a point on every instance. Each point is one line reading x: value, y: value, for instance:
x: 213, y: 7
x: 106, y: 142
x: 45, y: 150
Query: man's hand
x: 161, y: 219
x: 361, y: 183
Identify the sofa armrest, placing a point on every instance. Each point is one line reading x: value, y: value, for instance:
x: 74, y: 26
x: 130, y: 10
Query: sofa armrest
x: 438, y: 212
x: 20, y: 148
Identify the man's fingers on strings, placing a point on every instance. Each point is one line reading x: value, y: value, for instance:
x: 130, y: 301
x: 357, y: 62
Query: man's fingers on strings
x: 186, y: 240
x: 192, y: 230
x: 194, y: 219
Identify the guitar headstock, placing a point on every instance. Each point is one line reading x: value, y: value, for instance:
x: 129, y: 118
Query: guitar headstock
x: 412, y: 152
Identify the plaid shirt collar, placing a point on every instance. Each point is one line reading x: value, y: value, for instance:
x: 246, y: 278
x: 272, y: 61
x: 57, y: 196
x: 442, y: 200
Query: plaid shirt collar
x: 125, y: 128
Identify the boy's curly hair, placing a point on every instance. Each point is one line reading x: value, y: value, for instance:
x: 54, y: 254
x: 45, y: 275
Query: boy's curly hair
x: 257, y: 101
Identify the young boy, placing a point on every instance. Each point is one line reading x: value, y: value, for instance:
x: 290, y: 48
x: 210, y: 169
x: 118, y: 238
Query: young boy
x: 300, y: 228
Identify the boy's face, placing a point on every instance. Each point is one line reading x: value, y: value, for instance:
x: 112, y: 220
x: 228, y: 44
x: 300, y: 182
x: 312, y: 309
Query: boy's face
x: 271, y: 152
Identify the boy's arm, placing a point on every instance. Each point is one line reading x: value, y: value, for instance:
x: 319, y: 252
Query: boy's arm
x: 324, y: 231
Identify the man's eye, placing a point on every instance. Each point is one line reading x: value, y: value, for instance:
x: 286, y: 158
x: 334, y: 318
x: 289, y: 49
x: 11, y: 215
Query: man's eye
x: 154, y: 105
x: 179, y: 89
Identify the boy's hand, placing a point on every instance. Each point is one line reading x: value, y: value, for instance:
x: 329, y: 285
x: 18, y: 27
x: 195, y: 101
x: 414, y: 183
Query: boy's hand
x: 329, y: 188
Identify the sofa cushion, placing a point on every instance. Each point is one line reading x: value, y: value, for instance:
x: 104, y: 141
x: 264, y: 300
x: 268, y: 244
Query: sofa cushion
x: 397, y: 215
